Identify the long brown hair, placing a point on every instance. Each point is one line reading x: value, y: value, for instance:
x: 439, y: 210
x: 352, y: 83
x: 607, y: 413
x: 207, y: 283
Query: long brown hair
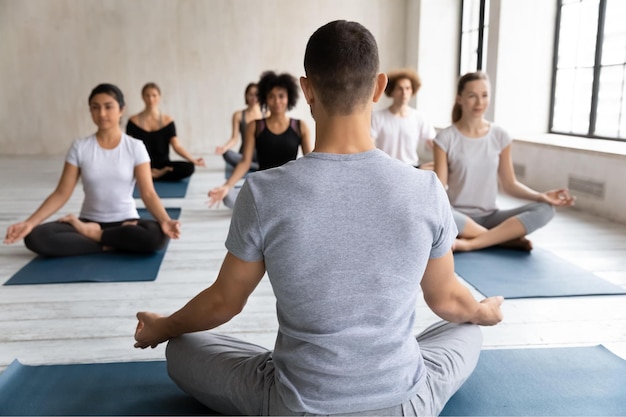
x: 457, y: 112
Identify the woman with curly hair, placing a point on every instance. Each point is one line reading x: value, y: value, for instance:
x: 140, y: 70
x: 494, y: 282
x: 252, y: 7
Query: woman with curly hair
x: 276, y: 138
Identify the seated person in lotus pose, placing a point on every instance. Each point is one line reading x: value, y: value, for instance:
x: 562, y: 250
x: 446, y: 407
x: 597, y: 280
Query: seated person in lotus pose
x: 276, y: 139
x: 399, y: 129
x: 472, y: 157
x: 346, y: 266
x: 240, y: 120
x: 158, y: 132
x: 109, y: 163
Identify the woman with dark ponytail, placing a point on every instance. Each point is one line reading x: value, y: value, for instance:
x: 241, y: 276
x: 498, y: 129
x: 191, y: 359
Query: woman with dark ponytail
x: 472, y: 157
x: 109, y: 162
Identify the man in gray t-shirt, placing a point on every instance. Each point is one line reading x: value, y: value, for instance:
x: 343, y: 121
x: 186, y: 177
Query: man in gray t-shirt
x: 349, y: 238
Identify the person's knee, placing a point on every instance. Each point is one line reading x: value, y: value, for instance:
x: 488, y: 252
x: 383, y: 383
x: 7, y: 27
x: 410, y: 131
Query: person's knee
x: 36, y: 242
x: 188, y: 170
x: 548, y: 211
x: 544, y: 212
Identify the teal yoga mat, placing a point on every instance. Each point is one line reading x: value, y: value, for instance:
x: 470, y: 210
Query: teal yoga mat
x: 98, y: 267
x: 579, y: 381
x: 539, y: 273
x: 168, y: 189
x: 113, y: 389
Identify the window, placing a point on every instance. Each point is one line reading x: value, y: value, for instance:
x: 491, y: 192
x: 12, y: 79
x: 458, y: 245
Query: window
x: 589, y: 81
x: 474, y: 30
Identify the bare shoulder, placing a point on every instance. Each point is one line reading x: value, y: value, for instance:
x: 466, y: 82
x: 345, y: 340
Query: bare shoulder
x: 134, y: 118
x: 167, y: 119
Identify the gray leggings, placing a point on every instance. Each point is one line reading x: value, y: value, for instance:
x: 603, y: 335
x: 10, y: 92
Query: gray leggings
x: 532, y: 216
x: 234, y: 377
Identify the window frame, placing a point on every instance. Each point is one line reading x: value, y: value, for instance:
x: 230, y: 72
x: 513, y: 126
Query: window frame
x: 480, y: 52
x: 597, y: 67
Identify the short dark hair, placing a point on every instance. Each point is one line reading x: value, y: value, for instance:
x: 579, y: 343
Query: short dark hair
x: 341, y: 60
x: 402, y: 74
x: 270, y: 80
x: 109, y: 89
x: 149, y: 86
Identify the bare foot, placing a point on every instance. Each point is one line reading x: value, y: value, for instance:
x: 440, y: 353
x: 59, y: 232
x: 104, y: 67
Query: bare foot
x: 159, y: 172
x: 88, y: 229
x: 521, y: 244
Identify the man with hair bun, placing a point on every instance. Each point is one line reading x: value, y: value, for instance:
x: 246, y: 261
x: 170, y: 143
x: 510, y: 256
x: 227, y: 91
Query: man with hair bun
x: 399, y: 129
x: 346, y: 267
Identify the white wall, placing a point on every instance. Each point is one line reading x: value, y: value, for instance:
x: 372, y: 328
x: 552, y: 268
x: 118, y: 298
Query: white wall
x: 202, y: 53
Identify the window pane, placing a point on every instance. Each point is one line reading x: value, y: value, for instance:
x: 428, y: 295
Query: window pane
x: 469, y: 36
x: 622, y: 122
x: 577, y: 34
x: 572, y: 101
x: 614, y: 42
x: 471, y: 14
x: 610, y: 99
x: 470, y: 52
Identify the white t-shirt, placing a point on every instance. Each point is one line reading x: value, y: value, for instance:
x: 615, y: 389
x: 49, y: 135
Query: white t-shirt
x: 108, y: 177
x: 473, y: 168
x: 398, y: 136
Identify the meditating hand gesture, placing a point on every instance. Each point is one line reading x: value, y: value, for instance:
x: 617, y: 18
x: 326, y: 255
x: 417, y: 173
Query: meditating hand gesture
x: 558, y: 198
x: 17, y: 231
x: 150, y: 330
x: 171, y: 228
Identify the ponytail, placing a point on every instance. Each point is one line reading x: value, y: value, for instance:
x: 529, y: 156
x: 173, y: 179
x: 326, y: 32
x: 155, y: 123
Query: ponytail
x: 457, y: 112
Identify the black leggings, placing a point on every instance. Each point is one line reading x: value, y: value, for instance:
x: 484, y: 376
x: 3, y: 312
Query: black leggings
x: 62, y: 239
x: 180, y: 170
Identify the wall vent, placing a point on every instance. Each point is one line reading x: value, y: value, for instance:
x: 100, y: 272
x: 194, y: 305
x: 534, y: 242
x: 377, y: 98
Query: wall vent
x: 520, y: 170
x: 589, y: 187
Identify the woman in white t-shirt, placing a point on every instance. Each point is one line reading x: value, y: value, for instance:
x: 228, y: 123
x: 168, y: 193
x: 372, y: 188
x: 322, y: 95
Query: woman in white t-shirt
x: 399, y: 129
x: 472, y: 157
x: 109, y: 163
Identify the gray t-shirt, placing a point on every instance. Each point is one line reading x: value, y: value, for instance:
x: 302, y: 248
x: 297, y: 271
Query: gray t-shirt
x: 345, y: 240
x: 473, y: 168
x: 108, y: 177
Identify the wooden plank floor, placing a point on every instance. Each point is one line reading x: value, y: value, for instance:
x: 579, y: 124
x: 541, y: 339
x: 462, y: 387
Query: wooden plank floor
x: 94, y: 322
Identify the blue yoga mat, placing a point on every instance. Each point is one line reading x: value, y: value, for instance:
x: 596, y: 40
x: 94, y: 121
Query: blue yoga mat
x: 114, y: 389
x: 97, y: 267
x: 516, y: 274
x: 580, y: 381
x: 168, y: 189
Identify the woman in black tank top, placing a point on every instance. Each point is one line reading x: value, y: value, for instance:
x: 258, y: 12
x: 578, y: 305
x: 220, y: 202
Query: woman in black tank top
x: 276, y: 139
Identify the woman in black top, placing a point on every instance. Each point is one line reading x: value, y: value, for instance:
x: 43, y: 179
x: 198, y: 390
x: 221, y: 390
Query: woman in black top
x: 240, y: 120
x: 158, y: 132
x: 276, y: 139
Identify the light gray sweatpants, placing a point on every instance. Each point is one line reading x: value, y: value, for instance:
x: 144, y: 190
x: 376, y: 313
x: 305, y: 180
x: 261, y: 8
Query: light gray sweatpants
x: 234, y: 377
x: 532, y: 216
